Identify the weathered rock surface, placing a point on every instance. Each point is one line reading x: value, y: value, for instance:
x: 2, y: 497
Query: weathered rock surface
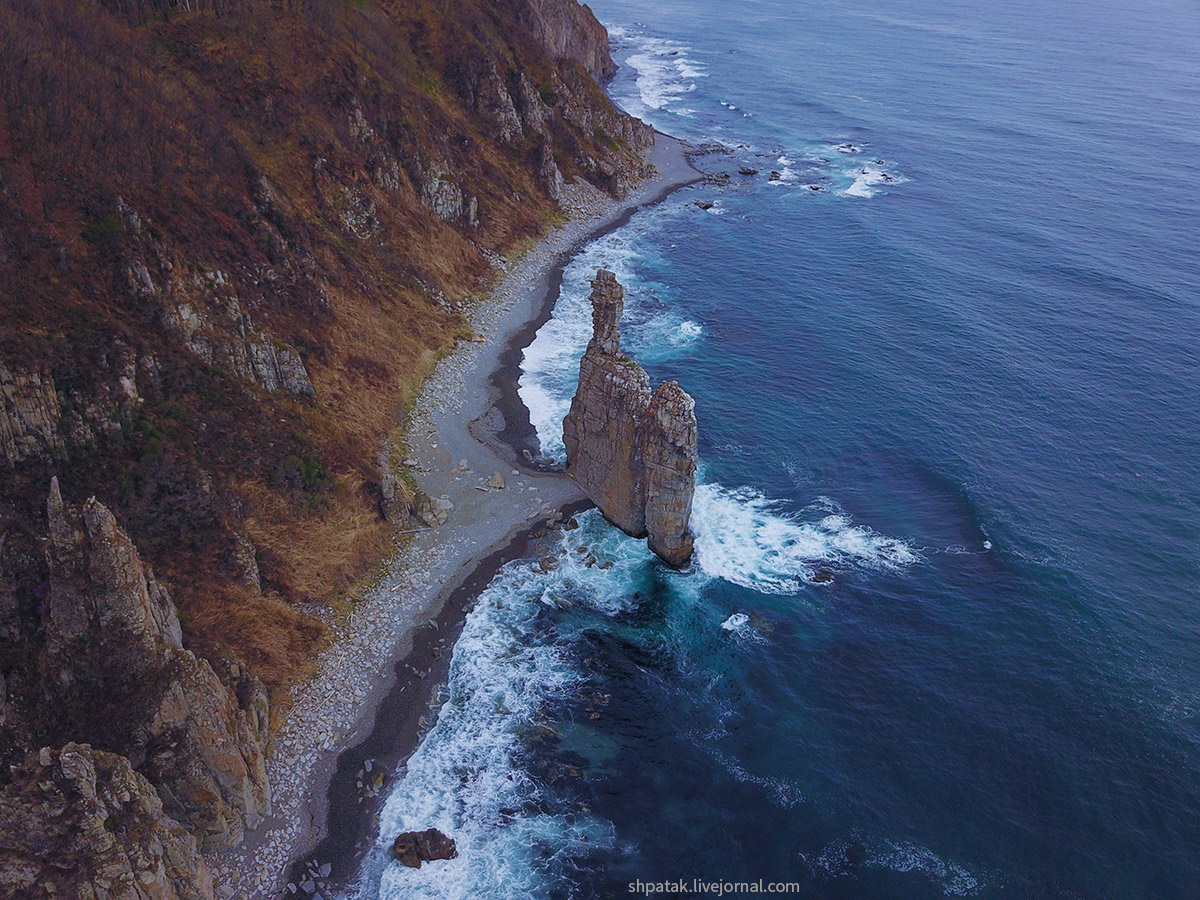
x: 46, y: 413
x: 29, y: 415
x: 224, y: 336
x: 668, y: 451
x: 601, y: 430
x: 634, y: 454
x: 81, y: 823
x: 115, y: 673
x: 415, y: 847
x: 569, y: 29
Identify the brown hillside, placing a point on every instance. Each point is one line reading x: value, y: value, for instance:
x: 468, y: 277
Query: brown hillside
x: 233, y: 241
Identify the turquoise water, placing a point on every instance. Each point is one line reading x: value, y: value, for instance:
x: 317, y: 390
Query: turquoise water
x: 948, y: 353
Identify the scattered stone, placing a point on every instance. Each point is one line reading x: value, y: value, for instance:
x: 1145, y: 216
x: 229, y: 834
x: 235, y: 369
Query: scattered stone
x: 747, y: 171
x: 432, y: 512
x: 496, y: 482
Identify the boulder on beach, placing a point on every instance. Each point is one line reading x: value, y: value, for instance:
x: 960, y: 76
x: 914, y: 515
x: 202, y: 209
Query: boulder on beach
x: 415, y: 847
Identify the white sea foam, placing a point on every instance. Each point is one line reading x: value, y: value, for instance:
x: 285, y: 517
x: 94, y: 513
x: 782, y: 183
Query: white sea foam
x: 953, y: 879
x: 783, y: 793
x: 905, y: 856
x: 744, y: 538
x: 664, y: 73
x: 465, y: 778
x: 735, y: 622
x: 867, y: 180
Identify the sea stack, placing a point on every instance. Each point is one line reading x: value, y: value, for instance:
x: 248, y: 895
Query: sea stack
x: 632, y: 453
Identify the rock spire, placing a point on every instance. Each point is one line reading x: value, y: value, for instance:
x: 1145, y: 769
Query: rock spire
x: 632, y: 452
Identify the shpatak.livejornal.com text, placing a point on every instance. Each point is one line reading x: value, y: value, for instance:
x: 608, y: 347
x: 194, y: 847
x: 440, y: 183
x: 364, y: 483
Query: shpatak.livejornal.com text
x: 715, y: 888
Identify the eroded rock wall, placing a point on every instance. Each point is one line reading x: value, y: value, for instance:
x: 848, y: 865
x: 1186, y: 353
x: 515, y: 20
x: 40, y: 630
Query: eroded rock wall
x: 668, y: 450
x: 600, y: 431
x: 567, y: 28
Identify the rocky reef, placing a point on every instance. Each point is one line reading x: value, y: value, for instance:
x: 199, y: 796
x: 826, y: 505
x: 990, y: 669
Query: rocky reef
x: 632, y: 452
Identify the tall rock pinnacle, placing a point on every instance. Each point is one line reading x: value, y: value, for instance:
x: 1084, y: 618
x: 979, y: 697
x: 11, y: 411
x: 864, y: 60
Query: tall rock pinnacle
x: 632, y: 453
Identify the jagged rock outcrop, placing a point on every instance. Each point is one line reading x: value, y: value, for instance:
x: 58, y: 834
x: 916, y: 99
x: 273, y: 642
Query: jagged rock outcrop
x: 601, y: 430
x: 569, y: 29
x: 44, y: 417
x: 634, y: 454
x: 116, y: 674
x: 81, y: 823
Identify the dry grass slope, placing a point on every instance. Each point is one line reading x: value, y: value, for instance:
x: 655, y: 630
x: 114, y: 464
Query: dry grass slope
x: 286, y: 151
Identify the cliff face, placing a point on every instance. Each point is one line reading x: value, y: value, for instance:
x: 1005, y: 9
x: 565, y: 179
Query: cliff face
x: 601, y: 430
x: 81, y: 823
x: 667, y: 443
x: 172, y: 760
x: 567, y: 29
x: 634, y: 454
x: 234, y: 238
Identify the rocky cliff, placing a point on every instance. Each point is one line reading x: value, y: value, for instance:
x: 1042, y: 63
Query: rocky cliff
x: 81, y: 824
x: 633, y: 453
x: 667, y: 446
x: 114, y: 674
x: 177, y: 747
x: 567, y: 29
x: 234, y: 238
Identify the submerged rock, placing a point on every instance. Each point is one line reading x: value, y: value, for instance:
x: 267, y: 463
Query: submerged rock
x: 633, y: 453
x: 415, y: 847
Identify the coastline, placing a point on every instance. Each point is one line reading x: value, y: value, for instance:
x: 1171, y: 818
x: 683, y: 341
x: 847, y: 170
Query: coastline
x: 376, y: 681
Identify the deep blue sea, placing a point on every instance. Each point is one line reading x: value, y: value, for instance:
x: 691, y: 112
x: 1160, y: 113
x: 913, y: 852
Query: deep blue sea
x: 945, y: 347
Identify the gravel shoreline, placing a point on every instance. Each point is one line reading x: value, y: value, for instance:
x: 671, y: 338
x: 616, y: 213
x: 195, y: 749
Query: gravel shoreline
x: 336, y: 709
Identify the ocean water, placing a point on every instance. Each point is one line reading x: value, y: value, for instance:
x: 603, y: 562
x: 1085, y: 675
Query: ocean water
x: 945, y: 346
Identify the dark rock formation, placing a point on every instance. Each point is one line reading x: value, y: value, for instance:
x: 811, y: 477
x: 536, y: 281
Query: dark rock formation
x: 116, y: 674
x: 601, y: 430
x: 415, y: 847
x: 81, y: 823
x: 632, y: 453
